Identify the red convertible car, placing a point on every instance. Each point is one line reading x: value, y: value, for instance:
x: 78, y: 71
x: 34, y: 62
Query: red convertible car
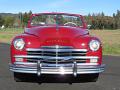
x: 56, y: 44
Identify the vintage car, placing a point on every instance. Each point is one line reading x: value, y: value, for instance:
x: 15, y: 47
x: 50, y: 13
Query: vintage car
x: 56, y: 44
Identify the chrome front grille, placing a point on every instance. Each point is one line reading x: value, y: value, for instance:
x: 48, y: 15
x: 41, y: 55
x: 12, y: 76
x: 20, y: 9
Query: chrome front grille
x: 59, y: 54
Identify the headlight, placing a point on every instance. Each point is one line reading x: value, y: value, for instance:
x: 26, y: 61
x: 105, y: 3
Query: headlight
x: 94, y: 45
x: 19, y: 44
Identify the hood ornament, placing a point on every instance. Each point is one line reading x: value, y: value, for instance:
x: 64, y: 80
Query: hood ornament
x: 57, y: 46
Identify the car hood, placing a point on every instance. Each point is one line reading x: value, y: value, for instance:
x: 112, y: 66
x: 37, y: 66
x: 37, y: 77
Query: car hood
x: 56, y: 35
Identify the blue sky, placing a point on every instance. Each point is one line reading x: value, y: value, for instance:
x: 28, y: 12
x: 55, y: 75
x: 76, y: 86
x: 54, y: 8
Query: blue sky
x: 72, y: 6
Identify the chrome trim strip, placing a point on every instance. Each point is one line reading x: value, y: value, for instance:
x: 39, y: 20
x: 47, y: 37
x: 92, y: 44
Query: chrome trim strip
x: 24, y: 63
x: 51, y: 53
x: 49, y: 57
x: 68, y: 47
x: 79, y: 64
x: 58, y: 50
x: 53, y: 61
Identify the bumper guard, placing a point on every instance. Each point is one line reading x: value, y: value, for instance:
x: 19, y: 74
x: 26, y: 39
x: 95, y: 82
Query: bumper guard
x: 43, y: 68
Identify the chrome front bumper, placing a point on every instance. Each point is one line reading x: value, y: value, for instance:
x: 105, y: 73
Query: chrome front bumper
x: 43, y: 68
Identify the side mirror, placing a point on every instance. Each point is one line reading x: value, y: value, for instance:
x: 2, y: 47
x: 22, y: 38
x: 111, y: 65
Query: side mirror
x: 88, y: 26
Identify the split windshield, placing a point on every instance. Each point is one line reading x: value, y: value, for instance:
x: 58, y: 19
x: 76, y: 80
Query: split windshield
x: 56, y: 19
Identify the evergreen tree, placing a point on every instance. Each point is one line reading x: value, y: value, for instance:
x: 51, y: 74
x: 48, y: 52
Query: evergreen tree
x: 1, y: 21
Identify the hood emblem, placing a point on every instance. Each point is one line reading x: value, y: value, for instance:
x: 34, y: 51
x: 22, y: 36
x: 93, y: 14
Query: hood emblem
x: 57, y: 41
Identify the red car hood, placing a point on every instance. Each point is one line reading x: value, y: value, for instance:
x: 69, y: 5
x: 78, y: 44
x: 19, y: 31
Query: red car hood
x: 56, y: 35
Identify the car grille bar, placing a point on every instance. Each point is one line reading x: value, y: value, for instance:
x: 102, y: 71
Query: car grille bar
x: 59, y: 50
x: 56, y: 50
x: 55, y: 54
x: 50, y: 58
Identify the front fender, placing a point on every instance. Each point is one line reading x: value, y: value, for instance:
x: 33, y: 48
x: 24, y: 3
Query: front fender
x: 30, y: 42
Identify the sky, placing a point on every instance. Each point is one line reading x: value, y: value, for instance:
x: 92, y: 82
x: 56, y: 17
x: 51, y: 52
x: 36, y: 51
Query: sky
x: 69, y: 6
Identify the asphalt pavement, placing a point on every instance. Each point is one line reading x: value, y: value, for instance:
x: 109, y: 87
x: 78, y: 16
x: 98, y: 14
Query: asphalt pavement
x: 109, y: 80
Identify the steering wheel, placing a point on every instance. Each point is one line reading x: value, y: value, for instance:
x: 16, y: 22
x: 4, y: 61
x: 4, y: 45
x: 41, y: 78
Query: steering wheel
x: 70, y: 24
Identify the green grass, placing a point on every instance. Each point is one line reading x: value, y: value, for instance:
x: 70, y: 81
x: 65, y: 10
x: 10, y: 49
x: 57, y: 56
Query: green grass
x: 6, y: 35
x: 110, y: 38
x: 111, y: 50
x: 12, y: 30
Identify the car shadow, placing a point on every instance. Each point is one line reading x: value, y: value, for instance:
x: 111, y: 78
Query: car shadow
x: 56, y: 79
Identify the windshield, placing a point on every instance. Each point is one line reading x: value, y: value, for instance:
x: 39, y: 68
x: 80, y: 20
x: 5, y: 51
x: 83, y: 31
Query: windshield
x: 56, y: 19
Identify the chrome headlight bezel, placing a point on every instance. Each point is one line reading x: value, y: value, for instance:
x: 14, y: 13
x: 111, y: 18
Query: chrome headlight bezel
x: 19, y: 44
x: 94, y: 45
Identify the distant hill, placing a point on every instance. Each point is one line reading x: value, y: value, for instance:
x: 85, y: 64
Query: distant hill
x: 8, y: 14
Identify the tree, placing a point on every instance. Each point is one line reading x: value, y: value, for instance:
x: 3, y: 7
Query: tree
x: 30, y: 13
x: 25, y: 17
x: 1, y: 20
x: 8, y: 21
x: 20, y: 17
x: 118, y: 19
